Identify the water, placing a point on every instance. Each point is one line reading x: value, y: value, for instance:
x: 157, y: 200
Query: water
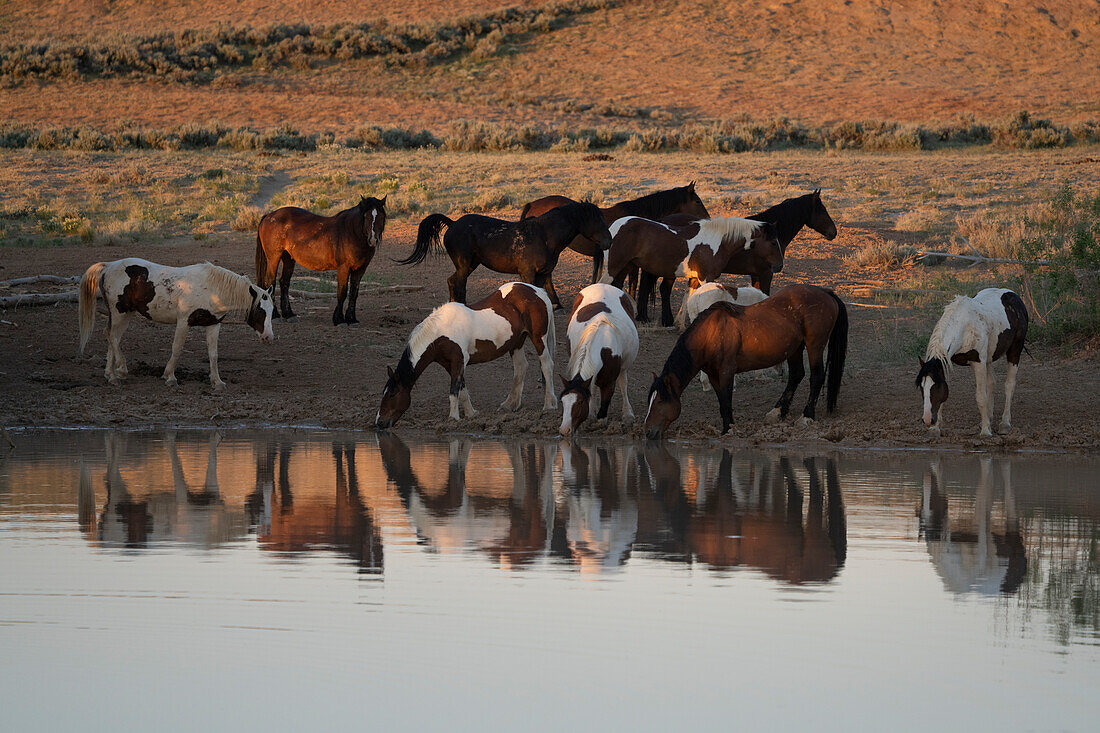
x: 310, y: 579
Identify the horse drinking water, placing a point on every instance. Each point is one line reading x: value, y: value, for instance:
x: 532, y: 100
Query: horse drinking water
x: 196, y: 295
x: 727, y: 339
x: 454, y: 335
x: 976, y: 331
x: 344, y: 242
x: 603, y: 343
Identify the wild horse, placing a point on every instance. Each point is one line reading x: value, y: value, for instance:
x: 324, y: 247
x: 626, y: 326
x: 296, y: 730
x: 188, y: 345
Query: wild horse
x: 344, y: 242
x: 655, y: 205
x: 529, y: 248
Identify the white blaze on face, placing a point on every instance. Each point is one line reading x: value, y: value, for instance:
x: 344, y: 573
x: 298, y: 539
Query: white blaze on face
x: 649, y: 409
x: 567, y: 413
x: 926, y: 389
x: 373, y: 231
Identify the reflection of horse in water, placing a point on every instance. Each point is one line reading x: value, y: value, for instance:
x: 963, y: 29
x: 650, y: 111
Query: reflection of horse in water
x: 972, y: 557
x: 343, y: 523
x: 726, y: 525
x: 503, y: 515
x: 138, y: 518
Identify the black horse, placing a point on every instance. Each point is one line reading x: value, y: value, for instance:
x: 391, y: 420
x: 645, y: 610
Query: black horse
x: 529, y: 248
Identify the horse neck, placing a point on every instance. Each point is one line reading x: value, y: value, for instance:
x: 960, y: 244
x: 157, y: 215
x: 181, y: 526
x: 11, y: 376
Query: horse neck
x: 949, y: 335
x: 232, y: 288
x: 561, y: 229
x: 788, y: 217
x: 647, y: 208
x: 680, y: 365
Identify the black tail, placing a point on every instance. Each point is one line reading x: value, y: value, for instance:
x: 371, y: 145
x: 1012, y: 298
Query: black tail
x: 426, y: 236
x: 838, y: 349
x: 597, y: 265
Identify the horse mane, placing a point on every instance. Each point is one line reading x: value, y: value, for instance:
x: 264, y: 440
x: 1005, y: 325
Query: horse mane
x: 423, y: 334
x: 579, y: 358
x: 783, y: 216
x: 227, y: 282
x: 657, y: 204
x: 730, y: 227
x: 942, y: 341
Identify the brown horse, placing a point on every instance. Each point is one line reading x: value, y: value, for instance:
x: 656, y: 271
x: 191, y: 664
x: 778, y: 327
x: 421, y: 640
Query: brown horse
x: 655, y: 205
x: 344, y: 242
x: 528, y: 248
x: 727, y: 339
x: 699, y: 250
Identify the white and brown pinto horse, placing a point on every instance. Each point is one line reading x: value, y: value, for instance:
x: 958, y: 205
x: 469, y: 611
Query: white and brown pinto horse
x: 195, y: 295
x: 698, y: 250
x: 976, y: 331
x: 455, y: 335
x: 728, y: 339
x: 603, y: 343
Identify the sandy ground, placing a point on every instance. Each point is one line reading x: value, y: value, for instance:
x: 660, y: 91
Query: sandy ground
x: 315, y: 374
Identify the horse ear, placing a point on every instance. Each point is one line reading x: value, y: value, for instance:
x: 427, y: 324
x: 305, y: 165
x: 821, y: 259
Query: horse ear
x: 920, y: 361
x: 564, y: 381
x: 384, y: 199
x: 389, y: 372
x: 271, y: 290
x: 691, y: 185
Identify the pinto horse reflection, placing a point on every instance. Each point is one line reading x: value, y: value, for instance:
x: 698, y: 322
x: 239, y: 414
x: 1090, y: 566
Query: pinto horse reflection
x: 972, y: 557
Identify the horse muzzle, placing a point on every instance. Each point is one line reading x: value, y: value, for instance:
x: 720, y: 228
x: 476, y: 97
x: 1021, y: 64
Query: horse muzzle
x: 383, y: 423
x: 653, y: 433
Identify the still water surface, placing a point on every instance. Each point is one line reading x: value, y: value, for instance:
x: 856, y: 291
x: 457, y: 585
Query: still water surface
x: 296, y: 579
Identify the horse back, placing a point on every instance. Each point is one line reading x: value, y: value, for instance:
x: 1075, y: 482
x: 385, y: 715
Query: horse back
x: 538, y: 207
x: 316, y: 242
x: 525, y: 310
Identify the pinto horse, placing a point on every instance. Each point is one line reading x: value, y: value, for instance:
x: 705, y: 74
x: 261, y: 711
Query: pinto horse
x: 682, y: 200
x: 196, y: 295
x: 529, y: 248
x: 698, y: 250
x: 727, y: 339
x: 603, y: 343
x: 454, y: 335
x: 976, y: 331
x: 344, y: 242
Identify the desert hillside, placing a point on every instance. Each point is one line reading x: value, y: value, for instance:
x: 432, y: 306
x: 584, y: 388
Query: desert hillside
x: 811, y: 60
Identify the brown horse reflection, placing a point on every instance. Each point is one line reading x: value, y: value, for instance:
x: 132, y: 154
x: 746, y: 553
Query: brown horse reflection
x: 970, y: 557
x: 772, y: 526
x: 340, y: 522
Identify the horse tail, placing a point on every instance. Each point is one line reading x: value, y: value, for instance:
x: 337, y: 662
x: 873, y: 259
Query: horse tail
x: 261, y: 262
x: 838, y: 349
x: 427, y: 235
x: 550, y: 340
x: 89, y: 290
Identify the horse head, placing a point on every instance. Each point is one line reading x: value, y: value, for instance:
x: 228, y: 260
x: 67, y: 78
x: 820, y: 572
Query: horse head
x: 575, y: 396
x: 261, y: 310
x: 664, y: 407
x: 591, y: 224
x: 373, y: 212
x: 820, y: 221
x: 694, y: 205
x: 765, y: 245
x: 932, y: 382
x: 396, y: 397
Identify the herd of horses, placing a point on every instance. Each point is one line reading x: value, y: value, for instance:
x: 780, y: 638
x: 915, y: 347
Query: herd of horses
x: 663, y: 236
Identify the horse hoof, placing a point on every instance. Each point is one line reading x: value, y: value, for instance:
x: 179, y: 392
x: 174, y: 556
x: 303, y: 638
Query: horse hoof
x: 218, y: 386
x: 933, y: 432
x: 772, y: 417
x: 508, y: 406
x: 114, y: 381
x: 171, y: 381
x: 1004, y: 428
x: 805, y: 421
x: 985, y: 434
x: 291, y: 319
x: 341, y: 323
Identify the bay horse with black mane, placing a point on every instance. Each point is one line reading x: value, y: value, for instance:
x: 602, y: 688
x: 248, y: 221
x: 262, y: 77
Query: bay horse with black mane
x: 727, y: 339
x: 455, y: 335
x: 698, y: 250
x: 529, y: 248
x: 344, y: 242
x: 654, y: 205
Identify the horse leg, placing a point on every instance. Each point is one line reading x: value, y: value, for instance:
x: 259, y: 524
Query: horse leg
x: 116, y: 364
x: 546, y: 361
x: 519, y: 371
x: 353, y: 294
x: 817, y: 379
x: 795, y: 372
x: 667, y: 284
x: 632, y: 281
x: 1010, y: 388
x: 723, y: 390
x: 645, y: 285
x: 549, y: 287
x: 762, y: 281
x: 981, y: 385
x: 212, y: 352
x: 284, y: 287
x: 628, y: 411
x: 169, y: 375
x: 456, y: 283
x: 341, y: 294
